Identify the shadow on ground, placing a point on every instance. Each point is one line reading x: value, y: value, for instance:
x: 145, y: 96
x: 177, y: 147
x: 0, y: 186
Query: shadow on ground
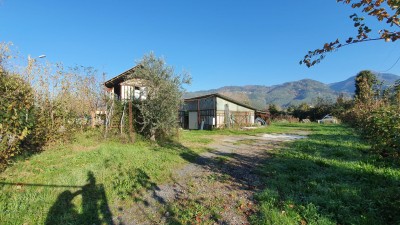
x: 94, y: 206
x: 325, y: 179
x: 95, y: 209
x: 233, y: 165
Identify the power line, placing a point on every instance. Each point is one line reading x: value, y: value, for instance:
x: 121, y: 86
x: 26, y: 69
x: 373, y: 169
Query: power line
x: 398, y: 59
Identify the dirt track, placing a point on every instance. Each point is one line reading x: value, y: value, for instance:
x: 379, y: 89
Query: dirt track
x: 223, y: 179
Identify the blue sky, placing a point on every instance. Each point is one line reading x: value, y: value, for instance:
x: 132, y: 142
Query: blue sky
x: 220, y: 43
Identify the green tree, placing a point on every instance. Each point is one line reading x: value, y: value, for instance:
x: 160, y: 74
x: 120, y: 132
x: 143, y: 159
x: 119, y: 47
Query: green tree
x: 365, y: 81
x: 383, y: 10
x: 164, y: 89
x: 302, y: 111
x: 396, y: 93
x: 273, y: 110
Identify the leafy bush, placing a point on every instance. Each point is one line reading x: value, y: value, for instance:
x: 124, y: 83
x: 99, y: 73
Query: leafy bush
x: 286, y: 118
x: 321, y: 108
x: 376, y: 114
x: 16, y: 122
x: 382, y: 128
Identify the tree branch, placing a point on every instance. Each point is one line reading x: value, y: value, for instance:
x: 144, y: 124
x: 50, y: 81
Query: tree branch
x: 373, y: 8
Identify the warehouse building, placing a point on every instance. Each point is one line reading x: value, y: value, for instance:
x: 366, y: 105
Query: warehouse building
x: 215, y: 111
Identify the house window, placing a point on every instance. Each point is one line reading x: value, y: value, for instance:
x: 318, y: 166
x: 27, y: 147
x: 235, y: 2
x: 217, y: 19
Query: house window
x: 137, y: 93
x: 140, y: 93
x: 133, y: 92
x: 143, y: 93
x: 127, y: 92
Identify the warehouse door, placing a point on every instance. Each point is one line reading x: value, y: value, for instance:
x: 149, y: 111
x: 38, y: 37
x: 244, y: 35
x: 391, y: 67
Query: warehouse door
x: 193, y: 125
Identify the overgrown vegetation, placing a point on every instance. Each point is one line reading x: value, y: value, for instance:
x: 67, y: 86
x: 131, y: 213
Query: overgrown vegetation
x: 43, y: 103
x: 376, y: 114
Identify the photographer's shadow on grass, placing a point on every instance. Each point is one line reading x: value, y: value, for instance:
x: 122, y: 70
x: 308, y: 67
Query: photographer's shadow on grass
x: 95, y: 209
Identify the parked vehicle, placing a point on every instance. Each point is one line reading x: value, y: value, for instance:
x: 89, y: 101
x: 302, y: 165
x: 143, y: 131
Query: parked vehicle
x: 328, y: 119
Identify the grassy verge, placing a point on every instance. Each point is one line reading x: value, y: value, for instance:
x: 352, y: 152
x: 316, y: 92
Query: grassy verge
x: 86, y: 182
x: 329, y: 178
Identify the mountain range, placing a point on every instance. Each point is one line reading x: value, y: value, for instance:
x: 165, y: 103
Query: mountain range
x: 291, y: 93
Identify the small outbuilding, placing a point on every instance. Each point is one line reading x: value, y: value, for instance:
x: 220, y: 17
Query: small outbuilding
x: 215, y: 111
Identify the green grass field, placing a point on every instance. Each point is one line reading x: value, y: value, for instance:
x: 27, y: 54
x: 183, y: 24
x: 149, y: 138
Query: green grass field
x: 329, y: 178
x: 86, y: 173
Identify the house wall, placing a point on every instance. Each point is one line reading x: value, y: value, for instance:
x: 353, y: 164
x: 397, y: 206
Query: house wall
x: 133, y: 88
x: 236, y: 118
x: 238, y: 115
x: 110, y: 92
x: 232, y: 106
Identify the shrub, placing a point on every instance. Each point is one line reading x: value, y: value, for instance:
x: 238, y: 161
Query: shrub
x: 382, y: 128
x: 286, y: 118
x: 16, y: 121
x: 376, y: 114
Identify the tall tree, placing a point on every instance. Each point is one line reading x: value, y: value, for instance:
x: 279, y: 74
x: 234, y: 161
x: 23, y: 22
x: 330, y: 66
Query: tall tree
x: 365, y: 81
x: 159, y: 111
x: 383, y: 10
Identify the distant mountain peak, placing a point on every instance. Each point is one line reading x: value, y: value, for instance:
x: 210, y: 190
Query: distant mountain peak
x: 293, y: 92
x: 348, y: 85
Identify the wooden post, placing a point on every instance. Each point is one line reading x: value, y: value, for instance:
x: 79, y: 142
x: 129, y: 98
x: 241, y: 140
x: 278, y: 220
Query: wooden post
x: 131, y: 130
x: 215, y: 113
x: 198, y: 112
